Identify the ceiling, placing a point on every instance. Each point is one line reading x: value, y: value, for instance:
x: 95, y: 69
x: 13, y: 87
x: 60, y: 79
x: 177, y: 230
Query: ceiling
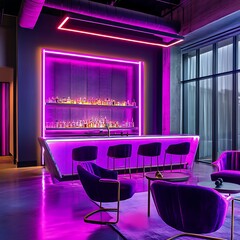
x: 158, y: 8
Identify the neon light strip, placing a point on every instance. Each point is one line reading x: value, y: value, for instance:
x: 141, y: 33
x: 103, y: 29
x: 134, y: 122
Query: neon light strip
x: 43, y: 90
x: 140, y: 79
x: 60, y: 27
x: 90, y: 57
x: 140, y: 98
x: 122, y: 138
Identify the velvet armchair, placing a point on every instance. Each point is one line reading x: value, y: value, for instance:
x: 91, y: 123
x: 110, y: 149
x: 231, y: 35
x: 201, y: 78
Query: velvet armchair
x: 227, y: 167
x: 191, y: 209
x: 101, y: 185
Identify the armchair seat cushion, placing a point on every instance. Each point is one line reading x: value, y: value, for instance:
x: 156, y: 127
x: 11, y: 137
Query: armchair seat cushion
x: 127, y: 188
x: 232, y: 176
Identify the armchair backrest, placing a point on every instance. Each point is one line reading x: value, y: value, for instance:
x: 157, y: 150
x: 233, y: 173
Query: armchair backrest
x: 90, y: 175
x: 189, y: 208
x: 89, y: 180
x: 228, y: 160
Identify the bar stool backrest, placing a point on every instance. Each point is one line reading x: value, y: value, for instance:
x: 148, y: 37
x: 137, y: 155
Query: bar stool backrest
x: 149, y: 149
x: 85, y: 153
x: 120, y: 151
x: 178, y: 149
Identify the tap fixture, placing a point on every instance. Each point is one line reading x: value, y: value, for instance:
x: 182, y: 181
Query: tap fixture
x: 108, y: 129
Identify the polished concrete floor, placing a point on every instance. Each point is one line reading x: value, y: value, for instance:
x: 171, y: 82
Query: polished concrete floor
x: 33, y: 208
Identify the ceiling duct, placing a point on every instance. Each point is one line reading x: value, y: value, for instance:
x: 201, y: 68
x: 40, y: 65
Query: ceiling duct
x: 167, y: 29
x: 111, y: 13
x: 29, y: 13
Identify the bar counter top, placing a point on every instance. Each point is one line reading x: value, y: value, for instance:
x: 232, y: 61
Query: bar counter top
x: 61, y: 149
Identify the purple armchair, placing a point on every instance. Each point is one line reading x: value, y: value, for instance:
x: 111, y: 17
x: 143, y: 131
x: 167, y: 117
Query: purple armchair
x: 227, y: 167
x: 101, y: 185
x: 194, y: 210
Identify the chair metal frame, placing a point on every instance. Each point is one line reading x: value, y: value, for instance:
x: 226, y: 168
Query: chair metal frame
x: 102, y: 209
x: 144, y: 153
x: 111, y: 154
x: 171, y: 151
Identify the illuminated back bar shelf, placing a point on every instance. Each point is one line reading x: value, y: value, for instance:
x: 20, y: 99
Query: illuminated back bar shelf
x: 87, y: 95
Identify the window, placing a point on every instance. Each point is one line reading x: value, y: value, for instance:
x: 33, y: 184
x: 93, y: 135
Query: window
x: 189, y: 65
x: 189, y: 107
x: 211, y: 93
x: 224, y: 113
x: 225, y: 56
x: 205, y: 118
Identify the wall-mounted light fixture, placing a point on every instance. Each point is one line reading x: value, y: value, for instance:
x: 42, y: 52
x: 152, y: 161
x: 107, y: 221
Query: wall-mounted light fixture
x: 118, y: 31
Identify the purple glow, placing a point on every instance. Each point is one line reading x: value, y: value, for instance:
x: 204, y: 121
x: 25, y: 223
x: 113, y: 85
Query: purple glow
x: 90, y: 56
x: 61, y: 27
x: 62, y: 148
x: 166, y: 92
x: 48, y: 56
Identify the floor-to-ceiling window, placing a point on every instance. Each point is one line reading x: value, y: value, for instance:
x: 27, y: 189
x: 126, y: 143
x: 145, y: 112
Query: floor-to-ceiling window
x: 211, y: 96
x: 189, y: 90
x: 238, y: 92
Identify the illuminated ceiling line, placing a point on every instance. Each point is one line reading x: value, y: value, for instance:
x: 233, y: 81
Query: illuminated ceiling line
x: 177, y: 38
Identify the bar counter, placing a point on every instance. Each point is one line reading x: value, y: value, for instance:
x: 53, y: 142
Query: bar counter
x: 61, y: 150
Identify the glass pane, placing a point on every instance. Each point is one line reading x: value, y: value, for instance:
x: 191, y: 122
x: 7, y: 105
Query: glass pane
x: 225, y: 56
x: 189, y: 65
x: 206, y: 60
x: 205, y: 119
x: 189, y: 112
x: 238, y: 123
x: 224, y: 96
x: 238, y: 53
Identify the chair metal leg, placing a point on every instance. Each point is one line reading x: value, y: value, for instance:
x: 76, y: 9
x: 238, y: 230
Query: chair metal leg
x: 137, y: 163
x: 194, y: 236
x: 143, y: 167
x: 102, y: 209
x: 72, y: 169
x: 164, y: 161
x: 125, y: 166
x: 129, y: 168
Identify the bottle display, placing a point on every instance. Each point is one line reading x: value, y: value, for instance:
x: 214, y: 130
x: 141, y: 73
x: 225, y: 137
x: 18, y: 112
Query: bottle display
x: 90, y: 96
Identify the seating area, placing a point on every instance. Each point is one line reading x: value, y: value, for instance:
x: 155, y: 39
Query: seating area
x: 194, y: 207
x: 63, y: 206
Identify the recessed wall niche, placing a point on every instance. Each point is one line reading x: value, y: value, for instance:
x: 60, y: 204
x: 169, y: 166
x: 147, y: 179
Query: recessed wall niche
x: 90, y: 95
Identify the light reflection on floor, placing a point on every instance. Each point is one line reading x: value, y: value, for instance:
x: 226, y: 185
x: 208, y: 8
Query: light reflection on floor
x: 33, y: 208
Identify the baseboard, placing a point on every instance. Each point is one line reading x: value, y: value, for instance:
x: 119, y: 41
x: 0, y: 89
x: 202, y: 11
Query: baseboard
x: 27, y: 164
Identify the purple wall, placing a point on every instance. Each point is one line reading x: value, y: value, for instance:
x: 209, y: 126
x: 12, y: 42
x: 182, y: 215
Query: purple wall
x: 45, y: 35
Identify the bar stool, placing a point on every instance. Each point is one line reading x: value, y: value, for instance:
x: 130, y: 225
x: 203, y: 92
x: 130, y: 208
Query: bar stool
x: 181, y: 149
x: 149, y: 150
x: 120, y: 151
x: 84, y: 153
